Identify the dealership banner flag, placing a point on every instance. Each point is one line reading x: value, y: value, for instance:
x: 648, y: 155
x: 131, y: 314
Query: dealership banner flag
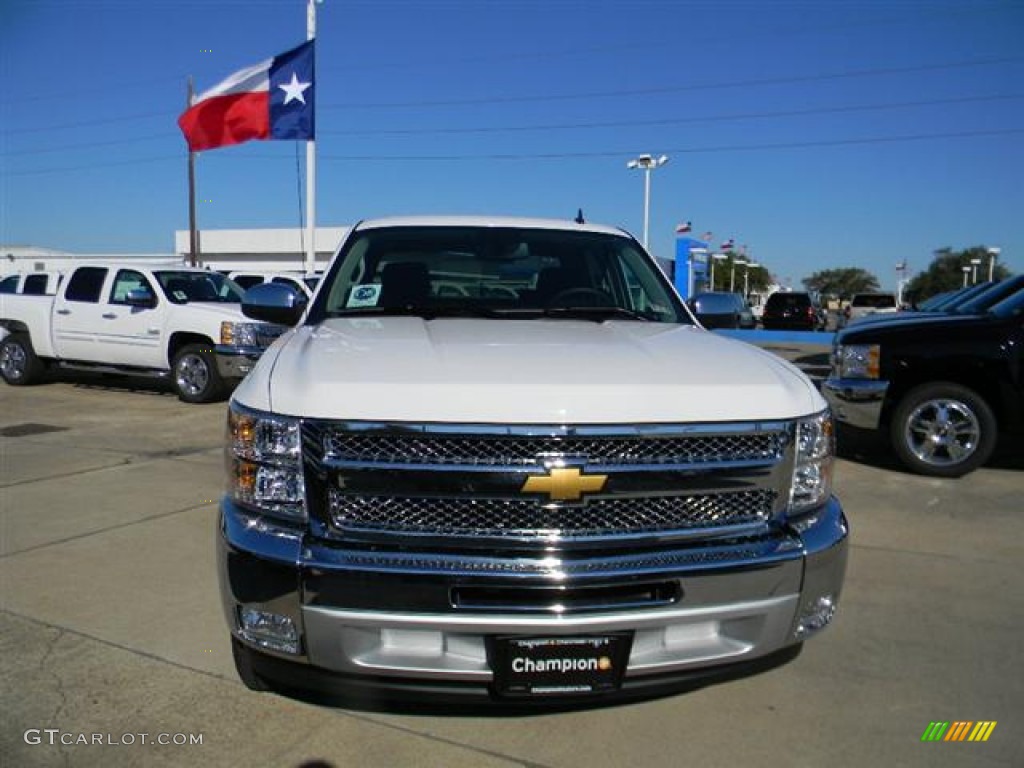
x: 267, y: 101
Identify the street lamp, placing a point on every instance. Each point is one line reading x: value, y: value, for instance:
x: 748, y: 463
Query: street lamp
x: 967, y: 271
x: 993, y: 254
x: 647, y: 163
x: 716, y: 257
x: 974, y: 270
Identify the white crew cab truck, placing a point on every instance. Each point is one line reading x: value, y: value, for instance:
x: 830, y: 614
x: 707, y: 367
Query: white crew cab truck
x: 185, y: 324
x: 549, y: 483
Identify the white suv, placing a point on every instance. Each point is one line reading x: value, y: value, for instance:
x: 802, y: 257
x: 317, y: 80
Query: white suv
x: 864, y: 304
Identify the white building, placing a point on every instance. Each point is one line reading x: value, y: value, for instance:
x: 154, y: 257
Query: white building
x: 226, y: 250
x: 266, y: 250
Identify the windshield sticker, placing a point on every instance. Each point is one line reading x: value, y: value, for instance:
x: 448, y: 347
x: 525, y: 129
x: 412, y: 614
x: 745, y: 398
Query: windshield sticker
x: 364, y: 295
x: 180, y: 295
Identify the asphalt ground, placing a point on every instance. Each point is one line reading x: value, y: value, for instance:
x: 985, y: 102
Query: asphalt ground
x: 112, y: 638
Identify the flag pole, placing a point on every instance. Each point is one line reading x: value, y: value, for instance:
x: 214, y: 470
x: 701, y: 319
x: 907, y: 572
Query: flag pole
x: 193, y: 233
x: 311, y: 159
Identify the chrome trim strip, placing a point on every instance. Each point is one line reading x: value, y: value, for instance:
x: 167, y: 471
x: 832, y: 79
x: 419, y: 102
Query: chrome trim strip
x: 563, y: 430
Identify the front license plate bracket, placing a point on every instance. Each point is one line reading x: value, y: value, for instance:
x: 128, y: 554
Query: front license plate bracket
x: 557, y: 665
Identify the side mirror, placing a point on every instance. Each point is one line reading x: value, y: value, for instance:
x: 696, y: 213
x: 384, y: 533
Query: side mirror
x: 140, y: 297
x: 274, y: 303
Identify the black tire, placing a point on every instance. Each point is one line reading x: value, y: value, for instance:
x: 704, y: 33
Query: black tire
x: 195, y: 376
x: 19, y: 364
x: 943, y: 430
x: 245, y: 667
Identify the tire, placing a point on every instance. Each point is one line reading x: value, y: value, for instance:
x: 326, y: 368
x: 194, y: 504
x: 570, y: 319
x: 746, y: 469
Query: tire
x: 246, y: 669
x: 195, y: 376
x: 19, y: 364
x: 943, y: 430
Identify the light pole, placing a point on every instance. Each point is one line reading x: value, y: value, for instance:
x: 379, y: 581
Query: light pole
x: 715, y: 257
x: 967, y: 271
x: 993, y: 254
x: 647, y: 163
x: 974, y: 270
x: 732, y: 274
x: 746, y: 276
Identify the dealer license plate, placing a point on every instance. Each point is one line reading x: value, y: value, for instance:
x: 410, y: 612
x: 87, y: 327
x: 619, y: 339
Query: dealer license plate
x: 559, y: 666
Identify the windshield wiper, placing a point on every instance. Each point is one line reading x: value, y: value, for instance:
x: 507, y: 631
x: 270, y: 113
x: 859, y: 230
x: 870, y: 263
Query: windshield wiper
x: 597, y: 314
x: 411, y: 310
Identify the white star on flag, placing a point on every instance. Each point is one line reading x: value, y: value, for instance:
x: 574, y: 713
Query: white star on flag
x: 294, y: 90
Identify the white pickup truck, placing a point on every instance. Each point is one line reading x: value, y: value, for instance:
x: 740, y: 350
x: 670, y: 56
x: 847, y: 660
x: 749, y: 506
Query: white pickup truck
x: 498, y: 458
x: 181, y: 323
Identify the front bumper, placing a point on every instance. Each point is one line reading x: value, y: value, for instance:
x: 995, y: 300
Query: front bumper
x: 387, y: 621
x: 236, y: 362
x: 857, y: 402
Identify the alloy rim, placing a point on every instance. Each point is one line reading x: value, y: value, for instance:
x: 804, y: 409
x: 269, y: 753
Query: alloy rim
x: 942, y: 432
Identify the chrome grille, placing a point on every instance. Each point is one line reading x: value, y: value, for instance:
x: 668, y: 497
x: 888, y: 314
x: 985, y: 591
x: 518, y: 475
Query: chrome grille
x: 494, y: 450
x: 526, y: 519
x: 462, y: 487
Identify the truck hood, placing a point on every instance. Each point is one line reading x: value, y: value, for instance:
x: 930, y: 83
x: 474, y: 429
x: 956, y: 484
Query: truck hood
x: 523, y: 372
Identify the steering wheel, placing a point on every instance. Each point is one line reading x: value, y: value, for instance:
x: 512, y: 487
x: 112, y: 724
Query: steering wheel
x: 586, y: 297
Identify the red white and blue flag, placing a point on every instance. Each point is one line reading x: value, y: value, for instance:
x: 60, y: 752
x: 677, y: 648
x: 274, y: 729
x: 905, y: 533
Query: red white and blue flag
x: 683, y: 228
x: 728, y: 245
x: 269, y: 100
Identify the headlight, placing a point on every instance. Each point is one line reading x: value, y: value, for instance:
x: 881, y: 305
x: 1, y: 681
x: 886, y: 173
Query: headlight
x: 239, y: 334
x: 264, y: 463
x: 812, y: 470
x: 856, y: 361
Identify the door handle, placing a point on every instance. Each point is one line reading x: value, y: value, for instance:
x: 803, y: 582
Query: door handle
x: 109, y: 316
x: 63, y: 311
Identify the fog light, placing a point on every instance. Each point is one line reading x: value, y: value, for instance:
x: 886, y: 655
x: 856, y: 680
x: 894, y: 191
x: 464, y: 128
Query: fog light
x: 815, y: 616
x: 268, y: 630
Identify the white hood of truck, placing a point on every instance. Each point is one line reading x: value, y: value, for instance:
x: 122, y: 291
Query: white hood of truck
x: 524, y: 372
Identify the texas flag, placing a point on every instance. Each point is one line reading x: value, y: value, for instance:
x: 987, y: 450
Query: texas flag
x: 269, y: 100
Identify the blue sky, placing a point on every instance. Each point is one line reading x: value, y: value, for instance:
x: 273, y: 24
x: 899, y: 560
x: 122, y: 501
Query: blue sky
x: 819, y: 134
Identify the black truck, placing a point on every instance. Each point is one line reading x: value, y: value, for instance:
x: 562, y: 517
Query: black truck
x: 942, y: 387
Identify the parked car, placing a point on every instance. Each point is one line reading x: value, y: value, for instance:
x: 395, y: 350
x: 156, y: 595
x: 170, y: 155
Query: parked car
x: 793, y: 310
x: 557, y: 491
x: 305, y: 284
x: 31, y: 283
x: 721, y: 309
x: 940, y: 387
x: 864, y: 304
x: 177, y: 323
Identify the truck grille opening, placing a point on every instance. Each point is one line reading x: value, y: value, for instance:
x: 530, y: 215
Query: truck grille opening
x: 463, y: 487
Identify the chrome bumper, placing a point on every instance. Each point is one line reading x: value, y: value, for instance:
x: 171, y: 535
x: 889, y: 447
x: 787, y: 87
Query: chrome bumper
x: 857, y: 402
x: 236, y: 362
x: 731, y: 609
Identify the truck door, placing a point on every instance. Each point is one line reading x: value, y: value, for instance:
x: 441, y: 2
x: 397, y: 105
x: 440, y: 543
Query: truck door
x: 130, y: 334
x: 76, y: 315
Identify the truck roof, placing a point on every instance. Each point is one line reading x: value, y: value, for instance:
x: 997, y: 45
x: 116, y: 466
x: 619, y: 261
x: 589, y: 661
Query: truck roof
x: 487, y: 221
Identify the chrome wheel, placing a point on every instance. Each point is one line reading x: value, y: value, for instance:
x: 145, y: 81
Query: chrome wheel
x: 942, y: 432
x: 13, y: 361
x: 191, y: 375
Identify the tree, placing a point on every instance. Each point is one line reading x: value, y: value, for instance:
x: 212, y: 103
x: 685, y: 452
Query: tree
x: 946, y: 272
x: 729, y: 275
x: 841, y: 282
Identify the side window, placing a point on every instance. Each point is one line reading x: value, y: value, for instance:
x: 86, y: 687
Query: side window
x: 127, y: 280
x: 9, y: 284
x: 35, y: 285
x: 245, y: 282
x: 86, y: 284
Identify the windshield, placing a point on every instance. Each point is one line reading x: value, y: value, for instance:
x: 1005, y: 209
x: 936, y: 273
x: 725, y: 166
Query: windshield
x: 497, y: 272
x: 182, y: 287
x: 1010, y: 306
x: 717, y: 303
x: 874, y: 300
x: 990, y: 297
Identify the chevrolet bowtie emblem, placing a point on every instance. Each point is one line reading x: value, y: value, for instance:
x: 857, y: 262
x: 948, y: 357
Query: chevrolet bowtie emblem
x: 564, y: 484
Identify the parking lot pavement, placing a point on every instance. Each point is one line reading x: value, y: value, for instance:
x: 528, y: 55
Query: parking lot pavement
x: 111, y: 631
